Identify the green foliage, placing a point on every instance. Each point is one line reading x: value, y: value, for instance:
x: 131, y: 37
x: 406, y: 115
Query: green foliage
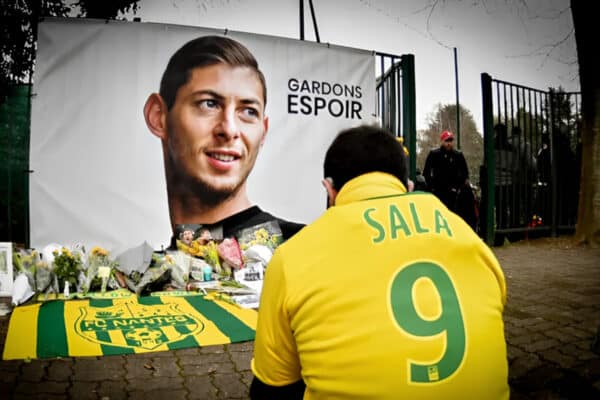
x: 539, y: 114
x: 564, y: 111
x: 18, y: 30
x: 67, y: 267
x: 106, y: 9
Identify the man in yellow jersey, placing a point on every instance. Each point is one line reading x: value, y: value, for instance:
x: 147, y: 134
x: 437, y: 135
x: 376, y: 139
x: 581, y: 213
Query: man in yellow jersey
x: 387, y: 295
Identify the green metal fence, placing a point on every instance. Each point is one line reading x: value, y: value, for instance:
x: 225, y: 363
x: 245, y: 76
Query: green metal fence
x: 532, y: 160
x: 396, y: 100
x: 14, y: 168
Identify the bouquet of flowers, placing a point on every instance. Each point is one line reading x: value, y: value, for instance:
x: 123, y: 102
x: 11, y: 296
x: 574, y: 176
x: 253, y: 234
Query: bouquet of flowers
x: 163, y: 273
x: 222, y: 255
x: 66, y: 266
x: 266, y: 234
x: 99, y: 272
x: 27, y: 265
x: 258, y: 244
x: 26, y: 262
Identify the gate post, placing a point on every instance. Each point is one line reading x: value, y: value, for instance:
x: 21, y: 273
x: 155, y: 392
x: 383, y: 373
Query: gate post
x: 409, y: 110
x: 554, y: 132
x: 487, y: 214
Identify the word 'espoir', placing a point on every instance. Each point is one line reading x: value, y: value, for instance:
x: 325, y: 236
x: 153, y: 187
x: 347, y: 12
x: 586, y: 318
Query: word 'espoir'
x: 308, y: 98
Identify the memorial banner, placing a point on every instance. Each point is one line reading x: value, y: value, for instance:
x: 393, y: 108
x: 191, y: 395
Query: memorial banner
x: 98, y: 176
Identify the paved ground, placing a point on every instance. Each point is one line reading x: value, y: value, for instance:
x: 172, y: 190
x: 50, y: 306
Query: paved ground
x: 552, y: 315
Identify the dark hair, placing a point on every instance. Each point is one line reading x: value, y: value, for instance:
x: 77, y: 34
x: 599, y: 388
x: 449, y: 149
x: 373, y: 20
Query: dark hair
x: 361, y: 150
x: 202, y: 52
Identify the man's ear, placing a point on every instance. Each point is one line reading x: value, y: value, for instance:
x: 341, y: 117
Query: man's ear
x: 155, y: 114
x: 331, y: 191
x: 266, y: 126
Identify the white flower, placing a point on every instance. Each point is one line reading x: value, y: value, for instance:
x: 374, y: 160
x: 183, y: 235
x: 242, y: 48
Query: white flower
x: 47, y: 252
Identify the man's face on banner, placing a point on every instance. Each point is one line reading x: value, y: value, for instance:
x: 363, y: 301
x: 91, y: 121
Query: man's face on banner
x: 216, y: 127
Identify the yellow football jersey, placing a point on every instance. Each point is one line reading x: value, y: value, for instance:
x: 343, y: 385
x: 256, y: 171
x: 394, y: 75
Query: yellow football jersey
x: 387, y: 295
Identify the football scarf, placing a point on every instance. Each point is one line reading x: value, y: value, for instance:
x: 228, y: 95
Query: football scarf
x: 96, y: 327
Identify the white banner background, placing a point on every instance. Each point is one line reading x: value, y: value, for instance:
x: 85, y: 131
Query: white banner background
x: 98, y: 172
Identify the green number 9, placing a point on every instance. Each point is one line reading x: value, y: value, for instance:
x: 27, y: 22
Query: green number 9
x: 449, y: 321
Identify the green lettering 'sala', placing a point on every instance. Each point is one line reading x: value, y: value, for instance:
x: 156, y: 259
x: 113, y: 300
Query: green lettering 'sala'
x: 375, y: 225
x: 397, y: 222
x: 441, y: 223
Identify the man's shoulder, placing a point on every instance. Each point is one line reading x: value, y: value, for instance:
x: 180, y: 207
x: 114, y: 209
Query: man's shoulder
x: 458, y: 154
x: 434, y: 154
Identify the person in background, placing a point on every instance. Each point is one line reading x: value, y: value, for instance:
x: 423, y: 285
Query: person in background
x: 387, y: 294
x: 524, y: 177
x: 506, y: 165
x: 447, y: 175
x: 420, y: 183
x: 210, y: 117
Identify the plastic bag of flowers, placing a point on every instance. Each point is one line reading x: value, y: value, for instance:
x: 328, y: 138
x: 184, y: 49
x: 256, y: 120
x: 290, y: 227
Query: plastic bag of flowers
x: 99, y: 272
x: 211, y: 256
x: 21, y: 290
x: 266, y: 234
x: 179, y: 278
x: 231, y: 256
x: 156, y: 276
x: 25, y: 261
x: 44, y: 279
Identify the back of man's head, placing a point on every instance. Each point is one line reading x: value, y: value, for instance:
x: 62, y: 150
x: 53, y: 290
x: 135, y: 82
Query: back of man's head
x: 361, y: 150
x: 202, y: 52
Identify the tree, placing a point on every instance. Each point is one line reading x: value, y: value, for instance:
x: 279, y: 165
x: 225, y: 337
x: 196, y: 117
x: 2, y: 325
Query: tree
x: 561, y: 110
x: 588, y: 59
x: 18, y: 28
x: 444, y: 118
x: 588, y: 218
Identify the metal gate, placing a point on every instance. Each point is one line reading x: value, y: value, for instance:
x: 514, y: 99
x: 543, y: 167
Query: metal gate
x: 532, y: 160
x: 396, y: 100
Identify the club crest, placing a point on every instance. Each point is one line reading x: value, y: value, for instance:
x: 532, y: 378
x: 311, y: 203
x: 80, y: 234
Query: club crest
x: 135, y: 325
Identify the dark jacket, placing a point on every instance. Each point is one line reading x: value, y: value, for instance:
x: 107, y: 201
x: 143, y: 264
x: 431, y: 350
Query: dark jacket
x: 445, y: 170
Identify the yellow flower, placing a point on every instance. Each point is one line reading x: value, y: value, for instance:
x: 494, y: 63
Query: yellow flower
x: 261, y: 234
x: 99, y: 251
